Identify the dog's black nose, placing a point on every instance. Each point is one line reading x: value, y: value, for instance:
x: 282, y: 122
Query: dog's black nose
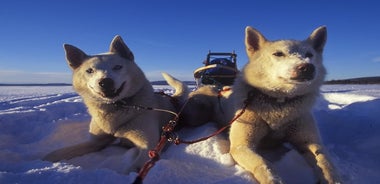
x: 107, y: 84
x: 304, y: 72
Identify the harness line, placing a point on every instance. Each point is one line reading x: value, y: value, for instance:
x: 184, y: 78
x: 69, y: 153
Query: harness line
x: 170, y: 136
x: 167, y: 135
x: 245, y: 105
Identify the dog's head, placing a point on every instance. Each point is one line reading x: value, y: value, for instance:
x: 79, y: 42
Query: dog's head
x: 285, y: 68
x: 107, y: 77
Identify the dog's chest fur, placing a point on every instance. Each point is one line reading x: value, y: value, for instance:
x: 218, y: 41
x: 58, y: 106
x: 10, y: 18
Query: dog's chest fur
x: 120, y: 117
x: 276, y: 112
x: 110, y: 118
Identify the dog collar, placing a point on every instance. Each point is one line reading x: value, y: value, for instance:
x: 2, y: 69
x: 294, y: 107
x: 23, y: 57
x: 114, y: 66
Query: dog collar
x: 258, y: 94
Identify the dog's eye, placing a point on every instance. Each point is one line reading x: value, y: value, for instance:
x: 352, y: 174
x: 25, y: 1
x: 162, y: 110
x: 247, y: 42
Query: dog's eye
x: 117, y: 67
x: 309, y: 55
x: 90, y: 70
x: 279, y: 54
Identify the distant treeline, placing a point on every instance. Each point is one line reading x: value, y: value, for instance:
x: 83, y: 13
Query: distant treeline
x: 65, y: 84
x: 48, y: 84
x: 362, y: 80
x: 165, y: 83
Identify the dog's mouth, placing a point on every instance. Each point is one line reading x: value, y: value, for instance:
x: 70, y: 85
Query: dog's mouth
x: 296, y: 81
x: 301, y: 79
x: 112, y: 93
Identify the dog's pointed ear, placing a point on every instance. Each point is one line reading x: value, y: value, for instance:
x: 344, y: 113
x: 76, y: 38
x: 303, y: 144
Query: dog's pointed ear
x: 318, y: 38
x: 119, y: 47
x: 74, y: 56
x: 253, y: 40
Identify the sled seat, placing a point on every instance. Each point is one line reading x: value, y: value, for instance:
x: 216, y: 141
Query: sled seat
x: 217, y: 71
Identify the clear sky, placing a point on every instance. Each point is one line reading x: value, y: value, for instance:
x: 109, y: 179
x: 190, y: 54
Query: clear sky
x: 175, y: 35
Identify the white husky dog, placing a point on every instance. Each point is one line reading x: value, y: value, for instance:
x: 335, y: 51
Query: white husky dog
x: 281, y: 82
x: 112, y: 86
x: 278, y: 86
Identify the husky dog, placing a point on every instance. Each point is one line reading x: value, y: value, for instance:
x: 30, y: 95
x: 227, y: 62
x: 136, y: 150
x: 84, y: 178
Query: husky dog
x: 280, y: 82
x: 278, y: 86
x: 112, y: 86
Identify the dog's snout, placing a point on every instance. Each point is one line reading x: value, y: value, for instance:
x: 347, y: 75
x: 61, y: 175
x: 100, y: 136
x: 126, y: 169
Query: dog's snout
x: 304, y: 72
x: 106, y: 83
x: 306, y: 68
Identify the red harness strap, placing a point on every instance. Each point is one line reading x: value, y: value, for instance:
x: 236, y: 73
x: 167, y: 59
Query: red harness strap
x: 154, y: 154
x: 170, y: 136
x: 167, y: 135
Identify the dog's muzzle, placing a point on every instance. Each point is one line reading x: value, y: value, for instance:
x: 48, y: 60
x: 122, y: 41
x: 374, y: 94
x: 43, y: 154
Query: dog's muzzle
x: 303, y: 72
x: 107, y: 87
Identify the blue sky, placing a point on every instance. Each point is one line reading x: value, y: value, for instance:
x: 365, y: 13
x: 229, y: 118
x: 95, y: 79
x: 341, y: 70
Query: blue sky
x: 175, y: 36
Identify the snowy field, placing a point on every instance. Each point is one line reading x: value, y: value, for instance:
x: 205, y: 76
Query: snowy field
x: 37, y: 120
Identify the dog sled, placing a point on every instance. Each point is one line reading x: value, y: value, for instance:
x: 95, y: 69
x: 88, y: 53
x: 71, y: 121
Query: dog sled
x: 220, y: 70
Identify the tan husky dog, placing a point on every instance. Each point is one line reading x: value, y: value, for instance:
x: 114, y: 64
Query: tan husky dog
x: 278, y: 85
x: 281, y: 82
x: 117, y: 93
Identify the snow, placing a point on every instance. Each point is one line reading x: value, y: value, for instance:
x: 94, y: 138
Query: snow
x: 36, y: 120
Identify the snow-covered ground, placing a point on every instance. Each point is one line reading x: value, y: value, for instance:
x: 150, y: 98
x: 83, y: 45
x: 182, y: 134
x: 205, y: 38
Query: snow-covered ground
x: 37, y: 120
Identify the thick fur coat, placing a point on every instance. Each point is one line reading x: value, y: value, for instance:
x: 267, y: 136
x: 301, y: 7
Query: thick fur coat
x: 112, y: 86
x: 279, y: 85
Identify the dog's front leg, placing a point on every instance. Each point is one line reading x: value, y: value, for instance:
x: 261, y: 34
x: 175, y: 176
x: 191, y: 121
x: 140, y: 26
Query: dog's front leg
x: 96, y: 143
x: 144, y: 138
x: 318, y: 156
x: 244, y: 137
x: 307, y: 140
